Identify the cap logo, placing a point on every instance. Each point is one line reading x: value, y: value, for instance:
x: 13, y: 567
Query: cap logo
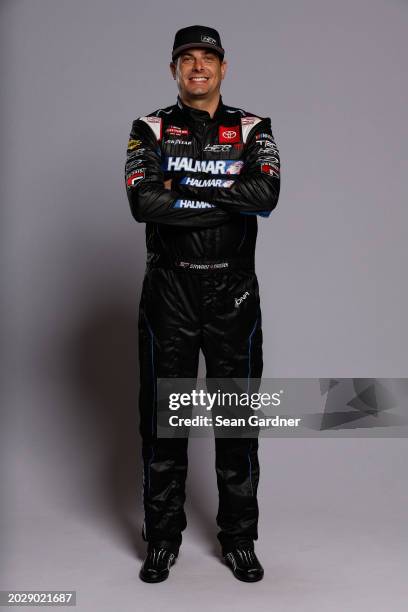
x: 208, y: 39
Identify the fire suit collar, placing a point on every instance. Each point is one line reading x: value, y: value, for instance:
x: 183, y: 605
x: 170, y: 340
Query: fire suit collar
x: 199, y: 115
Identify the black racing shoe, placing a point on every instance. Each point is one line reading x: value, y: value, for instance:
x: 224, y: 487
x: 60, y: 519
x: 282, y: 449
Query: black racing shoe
x: 156, y: 567
x: 244, y: 562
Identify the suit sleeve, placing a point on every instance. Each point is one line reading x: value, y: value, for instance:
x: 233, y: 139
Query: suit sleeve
x: 148, y: 198
x: 256, y: 190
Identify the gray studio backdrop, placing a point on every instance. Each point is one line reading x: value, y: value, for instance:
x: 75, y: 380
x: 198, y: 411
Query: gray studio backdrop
x: 331, y: 262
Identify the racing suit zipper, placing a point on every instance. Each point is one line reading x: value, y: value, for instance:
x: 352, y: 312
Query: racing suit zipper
x: 211, y: 235
x: 215, y: 233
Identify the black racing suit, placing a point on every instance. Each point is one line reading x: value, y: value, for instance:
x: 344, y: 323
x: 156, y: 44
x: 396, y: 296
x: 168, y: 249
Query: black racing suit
x: 200, y: 290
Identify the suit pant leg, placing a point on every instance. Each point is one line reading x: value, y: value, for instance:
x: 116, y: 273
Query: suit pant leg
x: 169, y: 343
x: 232, y: 345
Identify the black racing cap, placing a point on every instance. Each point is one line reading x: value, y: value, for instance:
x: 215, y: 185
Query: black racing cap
x: 197, y: 36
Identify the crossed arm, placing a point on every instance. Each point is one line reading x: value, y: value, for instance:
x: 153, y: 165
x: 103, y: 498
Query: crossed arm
x: 256, y: 191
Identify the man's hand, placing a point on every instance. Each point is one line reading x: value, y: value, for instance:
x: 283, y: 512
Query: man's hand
x: 167, y: 184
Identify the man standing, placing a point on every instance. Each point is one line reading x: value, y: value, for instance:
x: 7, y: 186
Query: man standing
x: 199, y: 173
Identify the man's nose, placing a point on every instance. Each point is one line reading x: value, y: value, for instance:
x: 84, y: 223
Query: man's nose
x: 198, y: 64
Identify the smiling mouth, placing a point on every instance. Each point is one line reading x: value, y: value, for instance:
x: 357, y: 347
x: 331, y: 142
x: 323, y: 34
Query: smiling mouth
x: 198, y: 79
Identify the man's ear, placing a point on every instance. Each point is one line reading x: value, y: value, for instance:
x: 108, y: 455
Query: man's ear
x: 173, y: 70
x: 224, y: 66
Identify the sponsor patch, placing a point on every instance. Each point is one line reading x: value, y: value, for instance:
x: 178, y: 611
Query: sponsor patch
x: 133, y: 144
x: 155, y: 124
x: 228, y: 134
x: 208, y: 266
x: 270, y: 169
x: 267, y: 145
x: 266, y: 141
x: 248, y: 120
x: 239, y: 300
x: 134, y: 163
x: 211, y: 166
x: 235, y: 167
x: 133, y: 178
x: 264, y: 136
x: 136, y: 153
x: 247, y: 124
x: 177, y: 141
x: 268, y: 159
x: 218, y: 147
x: 195, y: 182
x: 173, y: 130
x: 192, y: 204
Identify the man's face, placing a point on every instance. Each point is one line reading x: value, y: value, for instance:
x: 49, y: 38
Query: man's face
x: 198, y: 73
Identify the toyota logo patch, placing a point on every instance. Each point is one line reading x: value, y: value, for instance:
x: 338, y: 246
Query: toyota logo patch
x: 228, y: 134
